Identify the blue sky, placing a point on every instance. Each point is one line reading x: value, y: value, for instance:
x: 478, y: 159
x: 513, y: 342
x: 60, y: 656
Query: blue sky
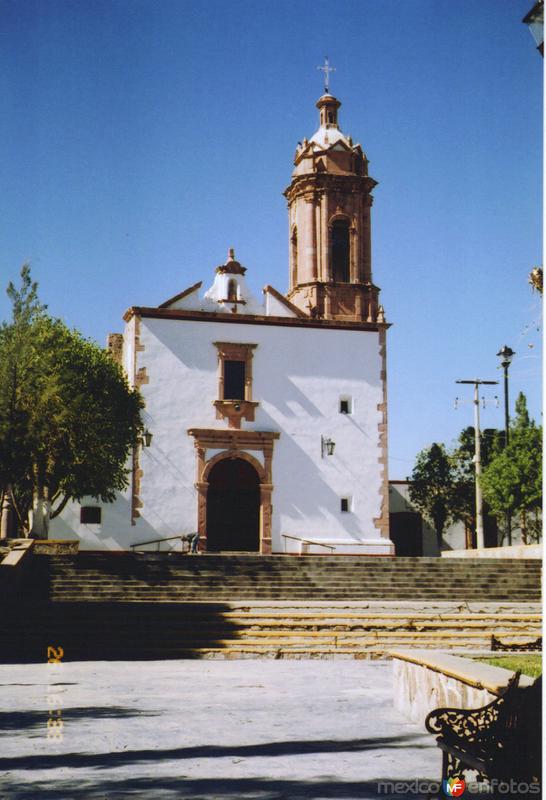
x: 141, y: 139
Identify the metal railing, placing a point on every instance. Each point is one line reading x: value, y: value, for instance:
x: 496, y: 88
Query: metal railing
x: 303, y: 542
x: 181, y: 536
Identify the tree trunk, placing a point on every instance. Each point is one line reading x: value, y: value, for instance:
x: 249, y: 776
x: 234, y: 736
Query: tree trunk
x: 39, y: 517
x: 524, y: 526
x: 468, y: 536
x: 8, y: 527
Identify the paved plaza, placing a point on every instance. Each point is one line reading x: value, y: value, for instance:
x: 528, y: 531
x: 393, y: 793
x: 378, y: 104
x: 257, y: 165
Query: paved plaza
x: 206, y: 729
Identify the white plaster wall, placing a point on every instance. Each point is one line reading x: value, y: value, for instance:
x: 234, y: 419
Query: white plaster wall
x: 274, y: 307
x: 129, y: 350
x: 299, y: 375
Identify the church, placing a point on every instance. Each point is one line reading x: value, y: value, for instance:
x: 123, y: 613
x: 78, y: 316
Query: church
x: 265, y: 417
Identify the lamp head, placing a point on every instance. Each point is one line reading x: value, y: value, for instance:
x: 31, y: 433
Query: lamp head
x: 506, y: 354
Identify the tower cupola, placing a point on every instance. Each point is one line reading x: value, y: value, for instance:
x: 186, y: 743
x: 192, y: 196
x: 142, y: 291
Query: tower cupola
x: 229, y: 289
x: 328, y: 107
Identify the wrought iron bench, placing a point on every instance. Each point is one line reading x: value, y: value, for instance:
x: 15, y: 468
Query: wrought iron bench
x: 501, y: 740
x: 525, y: 647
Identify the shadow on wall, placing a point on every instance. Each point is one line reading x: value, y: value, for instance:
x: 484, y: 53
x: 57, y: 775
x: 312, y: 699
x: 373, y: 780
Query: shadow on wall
x: 116, y: 517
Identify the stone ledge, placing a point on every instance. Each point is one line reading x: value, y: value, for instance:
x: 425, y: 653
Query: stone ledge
x: 18, y: 550
x: 56, y: 547
x: 514, y: 551
x: 429, y: 679
x: 472, y: 673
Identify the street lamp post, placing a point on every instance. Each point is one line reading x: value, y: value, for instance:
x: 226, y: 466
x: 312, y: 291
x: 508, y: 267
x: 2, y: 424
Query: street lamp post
x: 506, y: 354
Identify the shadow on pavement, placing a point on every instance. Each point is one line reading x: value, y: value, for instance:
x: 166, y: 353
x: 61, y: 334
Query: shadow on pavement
x: 214, y: 789
x: 28, y: 720
x: 289, y: 748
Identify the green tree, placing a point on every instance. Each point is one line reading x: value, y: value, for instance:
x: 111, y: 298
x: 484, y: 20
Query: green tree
x: 68, y: 419
x: 432, y: 487
x: 512, y: 483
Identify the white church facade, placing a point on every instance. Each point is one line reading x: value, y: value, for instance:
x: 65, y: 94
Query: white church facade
x: 268, y: 415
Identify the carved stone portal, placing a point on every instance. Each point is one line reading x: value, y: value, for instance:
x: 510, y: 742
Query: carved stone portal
x: 235, y: 444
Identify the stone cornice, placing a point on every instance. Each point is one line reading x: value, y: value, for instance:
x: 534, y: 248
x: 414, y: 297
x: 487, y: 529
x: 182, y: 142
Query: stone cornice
x: 248, y: 319
x: 325, y: 180
x: 232, y: 439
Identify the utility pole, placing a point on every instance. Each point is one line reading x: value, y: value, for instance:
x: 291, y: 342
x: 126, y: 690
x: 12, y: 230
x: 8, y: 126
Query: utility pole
x: 480, y: 541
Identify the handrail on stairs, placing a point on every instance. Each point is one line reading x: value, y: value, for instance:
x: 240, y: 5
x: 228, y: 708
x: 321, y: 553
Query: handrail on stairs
x: 181, y: 536
x: 303, y: 541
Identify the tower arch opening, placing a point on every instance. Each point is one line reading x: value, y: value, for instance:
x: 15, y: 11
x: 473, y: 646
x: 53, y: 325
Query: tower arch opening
x: 340, y: 250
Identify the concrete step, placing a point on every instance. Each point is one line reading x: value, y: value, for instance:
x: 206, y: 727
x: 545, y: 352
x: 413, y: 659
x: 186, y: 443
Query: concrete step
x: 127, y: 606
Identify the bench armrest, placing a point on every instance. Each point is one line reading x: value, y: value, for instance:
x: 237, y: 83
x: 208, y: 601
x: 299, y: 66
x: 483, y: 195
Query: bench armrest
x: 473, y: 723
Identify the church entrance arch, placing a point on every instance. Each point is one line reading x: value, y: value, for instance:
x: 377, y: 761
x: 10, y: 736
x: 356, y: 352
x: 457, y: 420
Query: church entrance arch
x: 245, y: 488
x: 233, y: 506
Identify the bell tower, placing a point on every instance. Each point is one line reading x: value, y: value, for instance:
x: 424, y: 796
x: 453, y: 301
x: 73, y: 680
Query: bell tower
x: 329, y: 204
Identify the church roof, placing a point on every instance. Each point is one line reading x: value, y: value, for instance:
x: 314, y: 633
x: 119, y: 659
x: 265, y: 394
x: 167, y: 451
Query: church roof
x: 180, y: 295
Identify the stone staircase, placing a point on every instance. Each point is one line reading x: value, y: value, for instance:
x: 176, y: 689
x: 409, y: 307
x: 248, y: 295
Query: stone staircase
x: 173, y: 577
x: 153, y: 606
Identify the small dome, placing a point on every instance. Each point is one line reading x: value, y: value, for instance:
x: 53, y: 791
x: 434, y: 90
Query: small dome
x: 329, y: 133
x: 231, y: 266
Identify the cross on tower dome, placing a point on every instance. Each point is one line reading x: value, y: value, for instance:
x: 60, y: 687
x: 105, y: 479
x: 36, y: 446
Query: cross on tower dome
x: 326, y: 69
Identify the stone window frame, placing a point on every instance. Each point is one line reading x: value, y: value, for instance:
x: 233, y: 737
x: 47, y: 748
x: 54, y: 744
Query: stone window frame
x: 235, y: 444
x: 235, y: 410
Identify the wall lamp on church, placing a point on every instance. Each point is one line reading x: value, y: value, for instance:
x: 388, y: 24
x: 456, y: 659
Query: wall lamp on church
x: 327, y: 446
x: 146, y: 438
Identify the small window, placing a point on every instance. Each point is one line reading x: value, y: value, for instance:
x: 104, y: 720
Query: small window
x: 234, y: 380
x: 90, y: 515
x: 345, y: 504
x: 345, y: 405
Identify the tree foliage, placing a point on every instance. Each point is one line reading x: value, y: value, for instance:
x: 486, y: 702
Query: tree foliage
x: 431, y: 487
x: 512, y: 483
x: 68, y: 418
x: 443, y: 483
x: 464, y: 472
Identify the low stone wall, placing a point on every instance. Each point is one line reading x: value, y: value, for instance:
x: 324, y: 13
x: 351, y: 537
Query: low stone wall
x: 513, y: 551
x: 429, y: 679
x: 18, y: 549
x: 56, y: 547
x: 13, y: 568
